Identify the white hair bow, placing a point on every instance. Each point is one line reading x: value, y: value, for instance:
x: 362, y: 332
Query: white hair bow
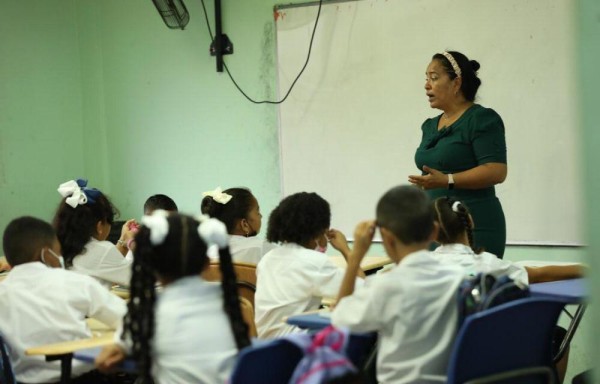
x: 455, y: 206
x: 73, y: 193
x: 218, y: 195
x: 158, y: 225
x: 213, y: 231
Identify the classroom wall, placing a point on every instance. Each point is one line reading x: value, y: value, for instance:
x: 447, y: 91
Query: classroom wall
x: 103, y: 89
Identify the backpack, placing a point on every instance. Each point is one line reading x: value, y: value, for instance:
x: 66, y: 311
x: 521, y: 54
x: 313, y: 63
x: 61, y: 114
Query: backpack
x: 484, y: 291
x: 324, y: 356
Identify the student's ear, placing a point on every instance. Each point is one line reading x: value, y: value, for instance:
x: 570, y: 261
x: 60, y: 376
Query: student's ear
x: 471, y: 222
x: 245, y: 227
x: 389, y: 242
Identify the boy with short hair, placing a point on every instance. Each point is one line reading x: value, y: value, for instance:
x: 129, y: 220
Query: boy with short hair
x: 43, y: 304
x: 413, y: 306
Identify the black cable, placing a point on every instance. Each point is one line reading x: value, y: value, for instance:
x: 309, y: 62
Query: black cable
x: 297, y: 77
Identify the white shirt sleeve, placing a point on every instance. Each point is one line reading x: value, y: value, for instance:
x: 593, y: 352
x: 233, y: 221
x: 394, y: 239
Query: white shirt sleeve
x: 327, y: 279
x: 105, y: 306
x: 363, y: 311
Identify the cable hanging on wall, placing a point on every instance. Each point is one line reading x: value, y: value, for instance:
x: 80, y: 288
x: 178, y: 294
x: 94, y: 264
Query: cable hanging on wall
x: 175, y: 15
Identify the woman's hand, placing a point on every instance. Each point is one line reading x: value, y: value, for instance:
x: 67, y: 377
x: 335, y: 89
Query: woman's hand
x: 433, y: 179
x: 109, y: 358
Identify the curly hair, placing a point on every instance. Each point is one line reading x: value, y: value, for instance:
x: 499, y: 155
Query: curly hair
x: 299, y: 218
x: 242, y: 201
x: 454, y: 223
x: 75, y: 226
x: 183, y: 253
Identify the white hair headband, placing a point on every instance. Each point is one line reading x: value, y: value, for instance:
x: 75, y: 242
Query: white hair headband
x: 453, y: 63
x: 213, y: 231
x: 455, y: 206
x: 218, y: 195
x: 73, y: 193
x: 158, y: 225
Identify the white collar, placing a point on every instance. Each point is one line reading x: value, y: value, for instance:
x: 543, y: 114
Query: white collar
x: 456, y: 248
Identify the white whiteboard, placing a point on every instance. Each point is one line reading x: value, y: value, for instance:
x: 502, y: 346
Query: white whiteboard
x: 351, y: 125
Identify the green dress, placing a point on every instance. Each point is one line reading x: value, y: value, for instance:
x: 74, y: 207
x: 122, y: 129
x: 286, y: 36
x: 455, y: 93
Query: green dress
x: 476, y: 138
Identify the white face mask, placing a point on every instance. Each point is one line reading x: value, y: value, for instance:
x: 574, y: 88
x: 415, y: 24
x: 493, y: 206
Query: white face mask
x: 321, y: 249
x: 60, y: 258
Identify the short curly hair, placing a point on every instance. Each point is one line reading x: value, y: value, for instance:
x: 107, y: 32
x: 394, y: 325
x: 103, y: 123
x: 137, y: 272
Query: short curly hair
x: 299, y: 218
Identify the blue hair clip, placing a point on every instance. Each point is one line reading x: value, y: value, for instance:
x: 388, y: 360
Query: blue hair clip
x: 91, y: 193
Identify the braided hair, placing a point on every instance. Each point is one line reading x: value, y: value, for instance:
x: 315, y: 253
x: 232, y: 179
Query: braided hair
x: 181, y: 253
x: 454, y: 219
x: 75, y: 226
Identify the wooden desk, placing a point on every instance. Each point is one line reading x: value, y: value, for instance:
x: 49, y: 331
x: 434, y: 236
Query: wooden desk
x: 369, y: 264
x: 102, y: 335
x: 122, y: 292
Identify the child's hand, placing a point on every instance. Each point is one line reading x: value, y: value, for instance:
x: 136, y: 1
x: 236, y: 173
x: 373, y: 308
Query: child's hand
x: 363, y: 237
x: 338, y: 241
x: 129, y: 230
x: 4, y: 266
x: 109, y: 358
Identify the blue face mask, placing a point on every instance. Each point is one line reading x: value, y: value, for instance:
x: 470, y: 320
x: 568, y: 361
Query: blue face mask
x: 60, y: 258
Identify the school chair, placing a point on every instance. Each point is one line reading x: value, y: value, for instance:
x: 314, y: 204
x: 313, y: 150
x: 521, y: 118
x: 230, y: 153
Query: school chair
x: 509, y: 343
x: 248, y: 315
x: 7, y: 375
x: 271, y: 362
x: 246, y: 278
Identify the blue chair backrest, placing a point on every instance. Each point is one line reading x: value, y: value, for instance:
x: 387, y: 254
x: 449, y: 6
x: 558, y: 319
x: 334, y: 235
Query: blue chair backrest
x: 270, y: 363
x: 6, y: 373
x: 511, y: 336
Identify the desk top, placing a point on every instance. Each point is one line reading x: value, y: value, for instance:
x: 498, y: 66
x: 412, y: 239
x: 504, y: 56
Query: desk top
x: 102, y: 335
x: 571, y: 291
x: 318, y: 320
x: 368, y: 262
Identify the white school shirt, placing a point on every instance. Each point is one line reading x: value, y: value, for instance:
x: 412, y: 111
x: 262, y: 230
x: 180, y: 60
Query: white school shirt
x: 290, y: 280
x: 414, y: 309
x: 102, y: 261
x: 42, y: 305
x: 485, y: 262
x: 249, y: 249
x: 193, y: 341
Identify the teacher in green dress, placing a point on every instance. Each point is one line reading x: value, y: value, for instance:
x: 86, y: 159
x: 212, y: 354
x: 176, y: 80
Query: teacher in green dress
x: 463, y: 151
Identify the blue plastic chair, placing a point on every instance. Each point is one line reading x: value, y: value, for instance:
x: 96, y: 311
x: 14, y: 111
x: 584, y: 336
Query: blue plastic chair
x: 272, y: 362
x: 7, y: 375
x: 510, y: 343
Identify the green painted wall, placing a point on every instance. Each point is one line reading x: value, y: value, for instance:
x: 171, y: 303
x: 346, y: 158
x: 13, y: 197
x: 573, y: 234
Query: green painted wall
x: 103, y: 89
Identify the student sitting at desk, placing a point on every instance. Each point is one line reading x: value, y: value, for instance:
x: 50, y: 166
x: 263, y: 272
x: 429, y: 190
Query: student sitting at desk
x: 44, y: 304
x: 239, y: 210
x: 82, y: 223
x: 194, y: 330
x: 152, y: 203
x: 456, y: 247
x: 413, y: 306
x: 295, y: 277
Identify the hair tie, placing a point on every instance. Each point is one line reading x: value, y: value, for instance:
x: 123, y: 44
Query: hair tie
x: 77, y: 193
x: 218, y: 195
x: 158, y: 225
x: 455, y: 206
x: 453, y: 63
x: 213, y: 231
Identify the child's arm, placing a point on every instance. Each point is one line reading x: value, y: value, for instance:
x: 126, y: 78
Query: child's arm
x: 109, y: 358
x: 128, y: 232
x: 363, y: 236
x: 339, y: 242
x: 554, y: 273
